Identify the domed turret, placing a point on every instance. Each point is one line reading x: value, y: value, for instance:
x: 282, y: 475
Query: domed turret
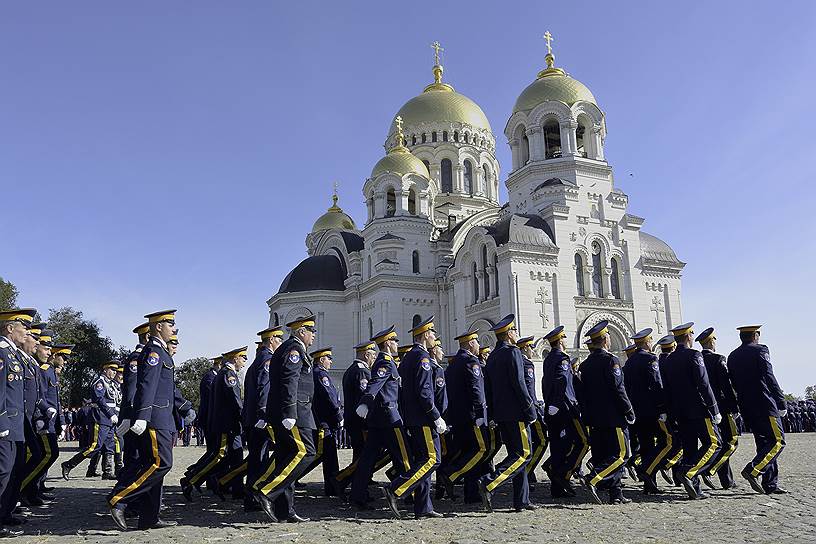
x: 399, y: 160
x: 334, y: 218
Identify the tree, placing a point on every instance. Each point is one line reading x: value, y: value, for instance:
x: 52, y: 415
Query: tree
x: 8, y: 295
x: 188, y: 377
x: 810, y: 392
x: 790, y: 397
x: 91, y: 351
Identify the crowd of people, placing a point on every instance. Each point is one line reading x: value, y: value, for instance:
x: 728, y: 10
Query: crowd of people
x: 676, y: 414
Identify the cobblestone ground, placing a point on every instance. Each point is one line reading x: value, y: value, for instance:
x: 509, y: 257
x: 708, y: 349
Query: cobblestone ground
x: 80, y: 514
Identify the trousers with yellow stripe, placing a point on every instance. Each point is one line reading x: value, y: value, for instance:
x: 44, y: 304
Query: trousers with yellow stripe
x: 142, y: 481
x: 294, y: 452
x: 425, y: 455
x: 770, y: 441
x: 516, y: 438
x: 610, y: 450
x: 701, y: 446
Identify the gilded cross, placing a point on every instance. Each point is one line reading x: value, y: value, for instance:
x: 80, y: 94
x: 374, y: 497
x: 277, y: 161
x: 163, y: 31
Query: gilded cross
x: 398, y: 120
x: 548, y: 38
x: 437, y: 48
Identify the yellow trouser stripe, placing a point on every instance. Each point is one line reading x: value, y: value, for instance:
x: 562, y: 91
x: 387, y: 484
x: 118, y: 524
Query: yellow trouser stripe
x: 584, y: 447
x: 46, y: 458
x: 426, y: 466
x: 92, y: 447
x: 539, y: 451
x: 709, y: 452
x: 664, y: 452
x: 301, y: 453
x: 476, y: 457
x: 731, y: 447
x: 403, y: 450
x: 154, y: 442
x: 321, y: 436
x: 525, y: 454
x: 616, y: 464
x: 493, y: 442
x: 116, y: 447
x: 777, y: 447
x: 239, y: 470
x: 222, y: 451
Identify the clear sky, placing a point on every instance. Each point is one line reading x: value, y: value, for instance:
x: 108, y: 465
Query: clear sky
x: 175, y: 154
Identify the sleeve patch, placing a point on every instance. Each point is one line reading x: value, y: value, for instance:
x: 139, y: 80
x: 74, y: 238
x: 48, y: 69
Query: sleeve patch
x: 440, y: 382
x: 231, y: 381
x: 363, y: 384
x: 99, y: 386
x: 133, y: 366
x: 531, y: 372
x: 565, y: 365
x: 294, y: 357
x: 616, y: 370
x: 325, y: 381
x: 425, y: 364
x: 382, y: 371
x: 476, y: 369
x: 153, y: 358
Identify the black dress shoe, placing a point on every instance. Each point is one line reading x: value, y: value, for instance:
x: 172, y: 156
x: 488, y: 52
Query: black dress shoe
x: 391, y: 499
x: 486, y: 496
x: 294, y: 518
x: 619, y: 500
x: 526, y: 507
x: 690, y: 491
x: 593, y: 492
x: 47, y: 497
x: 266, y: 505
x: 118, y: 516
x: 632, y: 473
x: 361, y: 506
x: 701, y: 496
x: 33, y: 500
x: 431, y: 514
x: 666, y: 476
x: 755, y: 485
x: 66, y: 470
x: 109, y: 476
x: 777, y: 491
x: 161, y: 524
x: 707, y: 481
x: 5, y: 532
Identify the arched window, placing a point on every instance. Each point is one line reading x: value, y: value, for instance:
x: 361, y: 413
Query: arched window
x: 597, y: 263
x: 369, y: 266
x: 579, y: 275
x: 475, y: 285
x: 413, y: 139
x: 275, y: 319
x: 433, y: 136
x: 455, y: 135
x: 467, y: 138
x: 415, y: 262
x: 444, y: 135
x: 496, y: 274
x: 552, y: 139
x: 390, y: 203
x: 447, y: 176
x: 412, y: 201
x: 427, y: 165
x: 416, y: 321
x: 468, y: 177
x: 486, y: 181
x: 370, y: 328
x: 525, y: 150
x: 615, y: 279
x: 424, y: 138
x: 579, y: 138
x: 486, y: 275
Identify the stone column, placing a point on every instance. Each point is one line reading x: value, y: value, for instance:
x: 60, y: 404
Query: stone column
x: 573, y: 138
x: 379, y: 204
x: 458, y: 179
x: 402, y: 202
x: 514, y: 151
x: 478, y: 174
x: 597, y: 143
x: 536, y: 137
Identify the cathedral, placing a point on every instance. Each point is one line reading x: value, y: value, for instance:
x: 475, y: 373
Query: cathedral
x: 437, y: 240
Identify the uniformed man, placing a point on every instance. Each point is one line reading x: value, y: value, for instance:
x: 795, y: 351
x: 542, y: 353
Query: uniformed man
x: 633, y: 463
x: 45, y: 425
x: 106, y: 400
x: 644, y: 388
x: 691, y: 401
x: 194, y: 475
x: 762, y: 404
x: 467, y: 415
x: 538, y: 430
x: 513, y: 410
x: 13, y: 333
x: 355, y: 383
x: 328, y: 414
x: 130, y: 448
x: 380, y: 408
x: 423, y: 423
x: 446, y: 449
x: 256, y: 392
x: 720, y: 381
x: 289, y: 411
x: 568, y: 441
x: 154, y: 424
x: 672, y: 460
x: 607, y: 412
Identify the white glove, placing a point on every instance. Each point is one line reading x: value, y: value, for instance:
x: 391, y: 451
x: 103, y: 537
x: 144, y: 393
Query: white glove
x: 441, y: 426
x: 480, y: 422
x: 123, y: 427
x: 552, y: 410
x: 342, y: 422
x: 362, y: 411
x: 717, y: 418
x: 190, y: 417
x: 139, y: 426
x: 630, y: 419
x: 51, y: 412
x: 114, y: 419
x: 783, y: 413
x: 260, y: 424
x: 288, y: 423
x: 3, y: 434
x: 662, y: 417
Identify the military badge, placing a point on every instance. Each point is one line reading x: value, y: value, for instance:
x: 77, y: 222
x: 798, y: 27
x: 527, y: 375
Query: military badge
x: 477, y: 371
x: 16, y: 368
x: 325, y: 381
x: 382, y: 371
x: 133, y: 366
x: 153, y: 358
x: 440, y: 381
x: 363, y: 384
x: 531, y: 372
x: 425, y: 364
x: 99, y: 386
x: 231, y: 381
x: 616, y: 370
x: 294, y: 357
x: 11, y: 377
x: 565, y: 365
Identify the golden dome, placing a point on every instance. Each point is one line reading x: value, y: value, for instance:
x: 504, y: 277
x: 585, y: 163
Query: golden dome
x: 552, y: 84
x: 399, y: 159
x: 334, y: 218
x: 440, y: 103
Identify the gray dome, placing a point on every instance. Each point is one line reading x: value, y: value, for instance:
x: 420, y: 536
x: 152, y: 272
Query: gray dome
x: 321, y: 272
x: 656, y: 249
x: 522, y: 229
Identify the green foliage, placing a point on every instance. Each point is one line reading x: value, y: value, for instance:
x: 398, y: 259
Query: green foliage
x: 790, y: 397
x: 91, y: 351
x: 188, y: 377
x: 8, y: 295
x: 810, y: 392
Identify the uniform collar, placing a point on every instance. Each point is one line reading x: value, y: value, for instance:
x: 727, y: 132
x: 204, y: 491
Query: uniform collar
x: 230, y: 366
x: 159, y: 341
x: 10, y: 341
x: 299, y: 341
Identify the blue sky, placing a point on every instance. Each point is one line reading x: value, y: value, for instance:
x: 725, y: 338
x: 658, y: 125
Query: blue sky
x: 169, y: 154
